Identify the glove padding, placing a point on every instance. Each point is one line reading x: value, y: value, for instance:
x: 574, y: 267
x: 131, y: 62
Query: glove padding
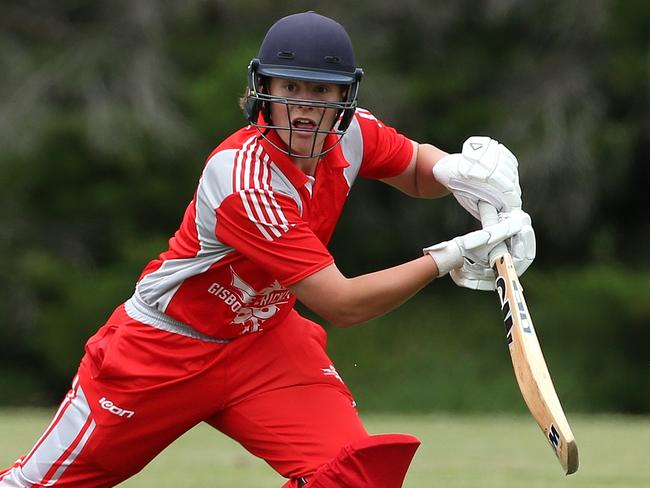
x: 484, y: 171
x: 478, y: 276
x: 471, y: 251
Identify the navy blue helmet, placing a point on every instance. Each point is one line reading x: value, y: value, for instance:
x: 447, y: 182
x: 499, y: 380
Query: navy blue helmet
x: 306, y: 47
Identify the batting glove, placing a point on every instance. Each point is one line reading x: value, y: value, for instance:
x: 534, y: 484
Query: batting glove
x: 484, y: 171
x: 522, y: 248
x: 474, y: 248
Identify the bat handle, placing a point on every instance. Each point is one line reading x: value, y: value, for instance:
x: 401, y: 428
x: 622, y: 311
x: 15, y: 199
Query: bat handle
x: 489, y: 217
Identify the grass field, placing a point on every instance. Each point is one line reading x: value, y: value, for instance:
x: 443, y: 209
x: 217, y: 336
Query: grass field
x: 456, y: 452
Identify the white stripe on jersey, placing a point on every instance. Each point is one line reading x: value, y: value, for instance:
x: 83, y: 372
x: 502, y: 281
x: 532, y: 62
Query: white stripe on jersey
x: 267, y: 192
x: 352, y: 146
x: 274, y: 202
x: 247, y: 171
x: 365, y: 114
x: 256, y: 195
x: 242, y: 194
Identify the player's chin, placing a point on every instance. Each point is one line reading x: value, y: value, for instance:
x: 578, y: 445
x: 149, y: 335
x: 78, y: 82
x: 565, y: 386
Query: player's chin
x: 306, y: 148
x: 302, y: 143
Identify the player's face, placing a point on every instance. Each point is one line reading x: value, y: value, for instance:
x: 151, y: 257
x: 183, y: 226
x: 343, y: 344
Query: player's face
x: 304, y: 119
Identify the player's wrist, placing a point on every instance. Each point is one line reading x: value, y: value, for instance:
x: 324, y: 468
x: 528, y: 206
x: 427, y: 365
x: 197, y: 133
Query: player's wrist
x: 447, y: 256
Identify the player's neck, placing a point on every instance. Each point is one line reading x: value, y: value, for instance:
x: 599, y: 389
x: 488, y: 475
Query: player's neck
x: 306, y: 165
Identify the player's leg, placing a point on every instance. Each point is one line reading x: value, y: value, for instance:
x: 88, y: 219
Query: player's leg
x: 58, y: 457
x: 135, y: 393
x: 289, y: 406
x: 312, y: 435
x: 295, y: 429
x: 285, y: 401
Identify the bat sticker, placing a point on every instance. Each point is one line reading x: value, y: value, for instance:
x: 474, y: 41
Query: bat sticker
x: 554, y: 437
x: 505, y: 308
x: 526, y: 325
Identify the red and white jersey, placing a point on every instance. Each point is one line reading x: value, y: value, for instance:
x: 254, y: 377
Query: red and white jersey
x: 256, y: 225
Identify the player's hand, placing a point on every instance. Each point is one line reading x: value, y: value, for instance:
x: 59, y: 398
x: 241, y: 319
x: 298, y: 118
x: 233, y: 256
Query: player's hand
x: 522, y: 248
x: 473, y: 249
x: 484, y: 171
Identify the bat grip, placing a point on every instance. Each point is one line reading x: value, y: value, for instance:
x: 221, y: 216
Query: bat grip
x: 489, y: 217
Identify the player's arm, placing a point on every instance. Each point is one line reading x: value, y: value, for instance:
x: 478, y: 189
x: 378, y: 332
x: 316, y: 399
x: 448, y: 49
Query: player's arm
x: 484, y: 171
x: 348, y: 301
x: 416, y: 180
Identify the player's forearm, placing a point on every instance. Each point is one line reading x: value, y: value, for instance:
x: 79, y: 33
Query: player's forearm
x: 349, y: 301
x: 375, y: 294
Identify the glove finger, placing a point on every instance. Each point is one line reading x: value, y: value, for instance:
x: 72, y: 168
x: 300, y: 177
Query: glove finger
x: 523, y: 244
x: 523, y: 249
x: 503, y: 230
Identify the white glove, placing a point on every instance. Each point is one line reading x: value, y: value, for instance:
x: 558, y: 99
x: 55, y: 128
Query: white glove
x: 522, y: 248
x: 484, y: 171
x: 473, y: 249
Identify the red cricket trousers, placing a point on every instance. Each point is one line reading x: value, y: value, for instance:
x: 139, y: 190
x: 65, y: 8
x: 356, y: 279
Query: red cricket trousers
x: 139, y: 388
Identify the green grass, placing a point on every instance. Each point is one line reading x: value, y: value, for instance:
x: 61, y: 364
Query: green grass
x: 456, y: 452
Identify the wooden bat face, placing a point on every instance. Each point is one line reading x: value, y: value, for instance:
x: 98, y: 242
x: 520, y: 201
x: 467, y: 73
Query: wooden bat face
x: 530, y: 368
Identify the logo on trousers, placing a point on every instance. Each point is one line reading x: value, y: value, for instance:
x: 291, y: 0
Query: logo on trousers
x: 114, y: 409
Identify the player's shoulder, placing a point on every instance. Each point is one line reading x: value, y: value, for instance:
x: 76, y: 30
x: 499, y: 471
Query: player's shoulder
x: 221, y: 165
x: 240, y: 164
x: 235, y: 142
x: 362, y: 125
x: 366, y: 117
x: 223, y: 158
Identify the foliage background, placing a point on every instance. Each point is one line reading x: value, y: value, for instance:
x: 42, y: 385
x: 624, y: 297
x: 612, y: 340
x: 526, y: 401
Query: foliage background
x: 108, y: 110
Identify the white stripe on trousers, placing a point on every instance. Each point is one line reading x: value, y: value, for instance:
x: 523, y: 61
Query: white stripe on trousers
x: 59, y: 446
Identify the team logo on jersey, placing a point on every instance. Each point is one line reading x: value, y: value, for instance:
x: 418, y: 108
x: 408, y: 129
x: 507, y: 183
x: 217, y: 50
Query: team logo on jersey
x: 251, y: 307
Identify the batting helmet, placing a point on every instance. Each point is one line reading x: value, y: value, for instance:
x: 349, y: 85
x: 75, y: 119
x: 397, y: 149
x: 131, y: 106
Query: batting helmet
x: 307, y: 47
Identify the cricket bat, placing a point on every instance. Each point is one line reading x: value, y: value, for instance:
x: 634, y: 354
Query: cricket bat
x: 528, y: 362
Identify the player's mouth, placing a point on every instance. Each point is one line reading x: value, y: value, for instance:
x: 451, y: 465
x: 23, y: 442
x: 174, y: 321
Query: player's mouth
x: 304, y: 124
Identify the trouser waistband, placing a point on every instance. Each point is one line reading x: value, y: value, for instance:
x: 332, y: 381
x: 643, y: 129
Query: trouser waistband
x: 137, y: 309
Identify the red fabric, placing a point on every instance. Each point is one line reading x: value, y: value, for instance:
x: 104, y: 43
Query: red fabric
x: 378, y: 461
x: 276, y: 393
x: 386, y: 152
x: 296, y: 254
x: 256, y: 219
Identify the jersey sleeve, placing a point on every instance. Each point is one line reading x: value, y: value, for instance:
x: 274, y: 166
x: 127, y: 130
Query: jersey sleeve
x: 266, y: 228
x: 386, y: 152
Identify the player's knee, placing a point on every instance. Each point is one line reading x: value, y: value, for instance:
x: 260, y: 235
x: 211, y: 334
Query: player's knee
x: 378, y: 460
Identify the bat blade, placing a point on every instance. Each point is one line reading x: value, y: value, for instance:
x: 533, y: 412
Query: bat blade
x: 530, y: 367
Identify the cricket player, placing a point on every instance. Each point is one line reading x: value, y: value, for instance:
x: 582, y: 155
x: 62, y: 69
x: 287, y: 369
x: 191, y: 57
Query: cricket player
x: 211, y: 334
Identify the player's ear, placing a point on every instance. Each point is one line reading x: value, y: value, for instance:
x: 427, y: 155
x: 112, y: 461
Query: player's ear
x: 265, y: 87
x: 263, y: 84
